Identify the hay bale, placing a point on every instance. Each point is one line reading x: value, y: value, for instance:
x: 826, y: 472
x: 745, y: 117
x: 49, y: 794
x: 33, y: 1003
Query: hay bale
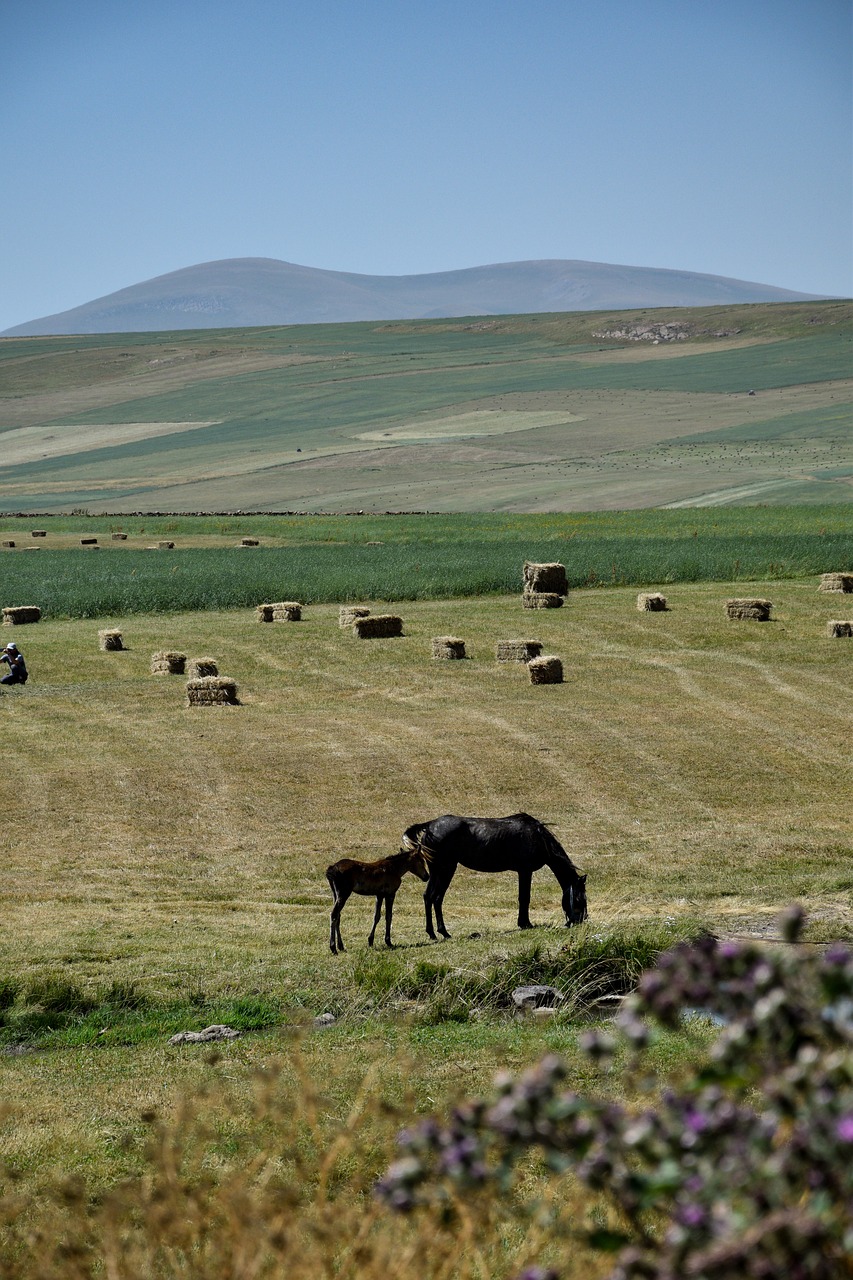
x: 165, y: 546
x: 119, y: 537
x: 38, y: 533
x: 249, y: 542
x: 545, y: 578
x: 448, y: 647
x: 835, y: 630
x: 287, y: 611
x: 198, y: 668
x: 377, y: 625
x: 518, y: 650
x: 110, y: 638
x: 349, y: 612
x: 651, y: 602
x: 88, y: 542
x: 212, y: 691
x: 542, y: 600
x: 754, y: 610
x: 168, y: 663
x: 263, y: 612
x: 7, y: 544
x: 545, y: 670
x: 19, y: 614
x: 836, y: 582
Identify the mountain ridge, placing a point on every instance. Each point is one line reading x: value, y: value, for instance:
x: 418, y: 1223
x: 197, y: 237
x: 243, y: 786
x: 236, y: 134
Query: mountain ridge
x: 252, y: 292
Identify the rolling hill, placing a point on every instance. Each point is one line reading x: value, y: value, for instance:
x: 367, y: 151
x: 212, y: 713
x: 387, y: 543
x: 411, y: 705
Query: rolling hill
x: 239, y: 292
x: 563, y: 412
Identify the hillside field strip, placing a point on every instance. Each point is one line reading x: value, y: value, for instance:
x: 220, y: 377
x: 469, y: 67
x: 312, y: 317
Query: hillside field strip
x: 533, y: 413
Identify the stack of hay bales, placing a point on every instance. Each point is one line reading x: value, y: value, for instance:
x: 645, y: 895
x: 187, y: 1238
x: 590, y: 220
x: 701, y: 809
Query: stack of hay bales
x: 835, y: 630
x: 651, y: 602
x: 198, y: 668
x: 110, y: 638
x: 545, y: 670
x: 168, y: 663
x: 282, y: 611
x: 754, y: 610
x: 448, y: 647
x: 19, y: 614
x: 38, y: 533
x: 544, y: 585
x: 249, y: 542
x: 349, y: 612
x: 836, y: 582
x: 377, y: 625
x: 212, y: 691
x: 518, y: 650
x: 119, y: 537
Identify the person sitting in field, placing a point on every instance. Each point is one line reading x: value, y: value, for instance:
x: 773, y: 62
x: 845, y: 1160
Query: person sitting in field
x: 17, y: 673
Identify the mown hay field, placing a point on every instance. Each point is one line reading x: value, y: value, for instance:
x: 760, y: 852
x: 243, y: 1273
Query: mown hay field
x: 167, y: 862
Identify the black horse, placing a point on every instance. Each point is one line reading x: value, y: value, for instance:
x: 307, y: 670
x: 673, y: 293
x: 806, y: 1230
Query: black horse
x: 518, y: 843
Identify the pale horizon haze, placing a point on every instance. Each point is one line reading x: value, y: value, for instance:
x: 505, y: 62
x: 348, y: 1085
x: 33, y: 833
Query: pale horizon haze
x: 395, y: 139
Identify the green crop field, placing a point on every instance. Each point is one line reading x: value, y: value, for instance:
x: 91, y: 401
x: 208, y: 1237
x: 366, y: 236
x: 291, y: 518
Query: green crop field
x: 524, y: 413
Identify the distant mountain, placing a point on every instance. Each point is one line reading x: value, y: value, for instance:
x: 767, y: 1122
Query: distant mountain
x: 238, y: 292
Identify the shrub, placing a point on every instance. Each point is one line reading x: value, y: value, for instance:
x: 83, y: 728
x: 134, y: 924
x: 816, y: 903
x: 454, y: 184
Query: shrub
x: 745, y: 1170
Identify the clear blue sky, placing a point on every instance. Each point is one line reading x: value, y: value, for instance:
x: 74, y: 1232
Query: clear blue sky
x: 395, y: 137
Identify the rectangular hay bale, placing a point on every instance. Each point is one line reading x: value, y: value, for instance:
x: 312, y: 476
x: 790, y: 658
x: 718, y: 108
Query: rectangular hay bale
x: 168, y: 663
x: 546, y: 670
x: 110, y: 639
x: 7, y: 544
x: 542, y: 600
x: 448, y: 647
x: 545, y: 577
x: 165, y: 546
x: 119, y: 537
x: 88, y: 542
x: 17, y: 615
x: 198, y: 668
x: 349, y: 612
x: 651, y: 602
x: 518, y: 650
x: 842, y: 582
x: 287, y: 611
x: 38, y: 533
x: 749, y: 610
x: 377, y: 625
x: 249, y: 542
x: 836, y: 629
x: 212, y: 691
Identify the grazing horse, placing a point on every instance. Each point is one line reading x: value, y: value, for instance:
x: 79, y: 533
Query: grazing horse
x: 518, y: 843
x: 373, y: 879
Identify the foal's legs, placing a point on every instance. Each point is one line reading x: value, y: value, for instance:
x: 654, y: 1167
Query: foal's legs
x: 389, y: 912
x: 376, y: 915
x: 336, y: 942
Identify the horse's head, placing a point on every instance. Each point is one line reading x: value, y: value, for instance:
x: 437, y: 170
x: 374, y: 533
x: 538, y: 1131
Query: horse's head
x: 577, y: 911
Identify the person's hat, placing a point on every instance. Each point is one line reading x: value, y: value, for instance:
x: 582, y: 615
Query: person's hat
x: 11, y: 646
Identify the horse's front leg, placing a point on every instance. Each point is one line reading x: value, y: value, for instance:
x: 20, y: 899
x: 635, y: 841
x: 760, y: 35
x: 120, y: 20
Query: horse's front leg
x: 377, y: 913
x: 524, y: 882
x: 437, y: 887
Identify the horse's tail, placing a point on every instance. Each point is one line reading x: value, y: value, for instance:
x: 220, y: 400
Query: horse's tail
x: 413, y: 841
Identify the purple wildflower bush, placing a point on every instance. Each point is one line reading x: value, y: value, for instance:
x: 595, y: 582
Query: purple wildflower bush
x: 745, y: 1171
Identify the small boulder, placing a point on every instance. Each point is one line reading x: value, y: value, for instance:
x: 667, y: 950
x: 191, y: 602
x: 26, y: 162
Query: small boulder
x: 325, y: 1020
x: 536, y: 997
x: 215, y: 1032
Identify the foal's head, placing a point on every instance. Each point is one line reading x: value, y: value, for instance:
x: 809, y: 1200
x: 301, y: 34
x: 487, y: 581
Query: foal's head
x: 417, y: 861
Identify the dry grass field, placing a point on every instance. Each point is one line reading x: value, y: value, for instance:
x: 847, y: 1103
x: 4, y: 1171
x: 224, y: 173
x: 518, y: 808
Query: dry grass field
x: 692, y: 766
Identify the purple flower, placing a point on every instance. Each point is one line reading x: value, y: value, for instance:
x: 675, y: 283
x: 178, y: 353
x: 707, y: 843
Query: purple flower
x: 844, y: 1128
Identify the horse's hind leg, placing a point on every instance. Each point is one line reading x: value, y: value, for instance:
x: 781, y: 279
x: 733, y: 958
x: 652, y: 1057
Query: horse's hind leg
x: 524, y: 881
x: 336, y: 942
x: 376, y: 915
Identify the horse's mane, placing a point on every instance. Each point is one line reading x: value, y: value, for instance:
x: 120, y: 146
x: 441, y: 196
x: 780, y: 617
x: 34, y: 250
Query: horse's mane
x: 413, y: 841
x: 553, y: 846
